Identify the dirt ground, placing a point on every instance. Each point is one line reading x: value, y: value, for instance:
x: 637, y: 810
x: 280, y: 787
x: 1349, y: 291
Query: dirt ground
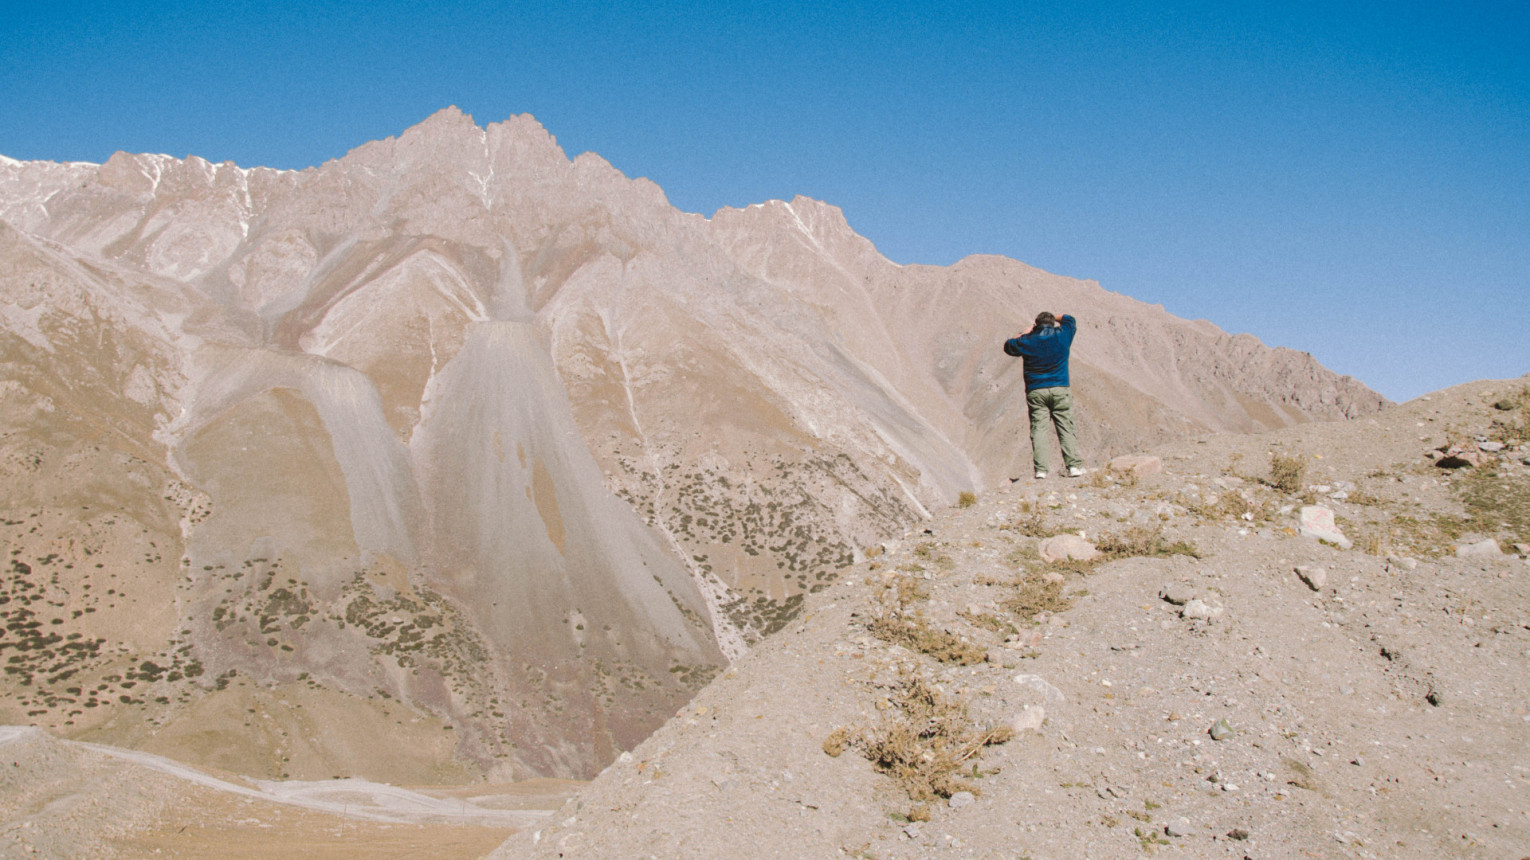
x: 1191, y: 694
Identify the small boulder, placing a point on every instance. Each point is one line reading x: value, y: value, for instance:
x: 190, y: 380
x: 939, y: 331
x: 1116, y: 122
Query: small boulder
x: 962, y: 799
x: 1315, y: 577
x: 1490, y: 447
x: 1522, y: 548
x: 1317, y: 522
x: 1481, y: 549
x: 1220, y: 730
x: 1403, y: 562
x: 1067, y: 548
x: 1140, y: 465
x: 1177, y: 593
x: 1200, y: 610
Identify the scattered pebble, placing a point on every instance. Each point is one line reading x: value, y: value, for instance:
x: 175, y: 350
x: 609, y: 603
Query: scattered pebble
x: 1221, y: 730
x: 1314, y: 577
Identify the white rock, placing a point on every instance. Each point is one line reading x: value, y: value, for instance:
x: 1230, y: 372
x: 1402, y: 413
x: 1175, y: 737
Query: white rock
x: 962, y: 799
x: 1315, y: 577
x: 1177, y: 593
x: 1481, y: 549
x: 1200, y: 609
x: 1317, y: 522
x: 1066, y: 547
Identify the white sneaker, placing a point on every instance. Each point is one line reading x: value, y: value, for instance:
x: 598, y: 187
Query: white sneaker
x: 1075, y: 472
x: 1040, y: 474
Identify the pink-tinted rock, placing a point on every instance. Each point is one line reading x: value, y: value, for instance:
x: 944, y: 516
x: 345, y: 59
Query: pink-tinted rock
x: 1317, y: 522
x: 1066, y: 548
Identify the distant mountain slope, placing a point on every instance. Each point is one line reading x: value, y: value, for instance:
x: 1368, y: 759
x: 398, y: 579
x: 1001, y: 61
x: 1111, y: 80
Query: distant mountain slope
x: 458, y: 429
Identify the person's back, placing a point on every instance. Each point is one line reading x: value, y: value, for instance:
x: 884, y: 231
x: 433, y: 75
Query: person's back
x: 1045, y: 347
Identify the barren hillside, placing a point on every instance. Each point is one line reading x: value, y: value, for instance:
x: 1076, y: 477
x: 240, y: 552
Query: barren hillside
x: 1216, y: 684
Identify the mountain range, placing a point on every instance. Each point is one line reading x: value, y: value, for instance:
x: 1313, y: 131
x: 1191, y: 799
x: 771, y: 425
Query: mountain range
x: 455, y: 458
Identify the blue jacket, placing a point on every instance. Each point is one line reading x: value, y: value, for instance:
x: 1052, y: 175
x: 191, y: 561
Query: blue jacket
x: 1045, y: 351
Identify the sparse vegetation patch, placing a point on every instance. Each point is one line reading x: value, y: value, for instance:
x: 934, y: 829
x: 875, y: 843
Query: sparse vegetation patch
x: 925, y: 744
x: 1143, y: 541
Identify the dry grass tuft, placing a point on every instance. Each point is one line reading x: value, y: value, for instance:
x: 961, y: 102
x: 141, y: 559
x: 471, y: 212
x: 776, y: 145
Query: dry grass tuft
x: 912, y: 631
x: 988, y: 621
x: 1287, y: 474
x: 899, y: 625
x: 966, y: 499
x: 1036, y: 592
x: 904, y: 591
x: 924, y: 744
x: 1143, y: 541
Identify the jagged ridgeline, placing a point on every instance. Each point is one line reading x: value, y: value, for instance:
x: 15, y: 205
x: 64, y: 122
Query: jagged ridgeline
x: 456, y: 458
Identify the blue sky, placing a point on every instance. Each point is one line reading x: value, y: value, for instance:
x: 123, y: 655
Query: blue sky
x: 1348, y: 179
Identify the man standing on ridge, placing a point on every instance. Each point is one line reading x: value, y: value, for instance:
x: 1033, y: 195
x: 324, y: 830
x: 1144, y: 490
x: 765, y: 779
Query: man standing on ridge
x: 1044, y: 346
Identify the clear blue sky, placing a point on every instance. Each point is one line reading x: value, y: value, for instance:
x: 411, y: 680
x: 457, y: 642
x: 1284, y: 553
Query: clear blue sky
x: 1349, y: 179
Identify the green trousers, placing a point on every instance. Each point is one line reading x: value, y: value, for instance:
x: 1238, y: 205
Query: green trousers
x: 1054, y: 407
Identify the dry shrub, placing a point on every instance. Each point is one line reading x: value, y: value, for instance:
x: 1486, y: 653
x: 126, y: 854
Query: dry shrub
x: 1034, y: 593
x: 903, y: 591
x: 1231, y: 505
x: 912, y: 631
x: 1287, y: 474
x: 1143, y: 541
x: 966, y: 499
x: 988, y: 621
x: 924, y: 744
x: 838, y: 741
